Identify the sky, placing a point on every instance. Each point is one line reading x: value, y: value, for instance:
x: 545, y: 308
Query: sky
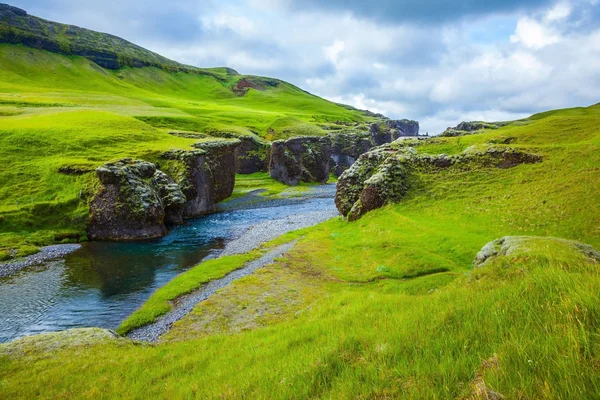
x: 436, y: 61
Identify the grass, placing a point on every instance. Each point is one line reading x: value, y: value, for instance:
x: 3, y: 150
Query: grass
x: 160, y: 302
x: 58, y: 110
x: 390, y: 305
x: 385, y: 307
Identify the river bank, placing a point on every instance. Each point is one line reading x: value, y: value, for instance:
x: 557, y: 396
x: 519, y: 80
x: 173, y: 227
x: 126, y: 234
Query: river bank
x: 99, y: 284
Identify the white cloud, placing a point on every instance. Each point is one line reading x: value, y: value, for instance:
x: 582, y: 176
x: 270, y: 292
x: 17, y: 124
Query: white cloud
x: 558, y: 12
x: 533, y: 34
x: 333, y: 52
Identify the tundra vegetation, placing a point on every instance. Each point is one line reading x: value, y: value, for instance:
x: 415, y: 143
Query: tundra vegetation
x: 470, y: 281
x: 390, y: 305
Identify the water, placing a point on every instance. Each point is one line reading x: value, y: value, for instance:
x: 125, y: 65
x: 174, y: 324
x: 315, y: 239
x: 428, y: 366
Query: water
x: 103, y: 283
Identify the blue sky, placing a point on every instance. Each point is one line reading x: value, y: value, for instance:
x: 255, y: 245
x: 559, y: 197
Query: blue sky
x: 437, y: 61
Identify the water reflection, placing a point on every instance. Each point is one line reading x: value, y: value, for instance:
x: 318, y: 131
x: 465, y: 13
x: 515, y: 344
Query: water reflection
x: 102, y: 283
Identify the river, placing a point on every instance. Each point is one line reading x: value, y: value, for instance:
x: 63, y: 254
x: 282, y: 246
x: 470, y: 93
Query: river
x: 102, y: 283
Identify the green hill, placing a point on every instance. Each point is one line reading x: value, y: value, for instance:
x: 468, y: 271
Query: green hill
x: 389, y: 306
x: 61, y: 109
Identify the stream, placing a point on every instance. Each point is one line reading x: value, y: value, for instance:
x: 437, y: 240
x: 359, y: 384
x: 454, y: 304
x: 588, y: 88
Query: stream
x: 102, y: 283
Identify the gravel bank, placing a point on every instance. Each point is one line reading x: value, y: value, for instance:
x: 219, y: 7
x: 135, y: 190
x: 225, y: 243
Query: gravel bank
x: 45, y: 254
x: 185, y: 304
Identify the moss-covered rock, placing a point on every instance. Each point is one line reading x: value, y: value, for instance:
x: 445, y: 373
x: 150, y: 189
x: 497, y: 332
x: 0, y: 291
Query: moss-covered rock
x: 45, y: 344
x: 470, y: 127
x: 172, y: 197
x: 304, y: 158
x: 528, y: 246
x: 206, y: 176
x: 382, y: 175
x: 126, y: 206
x: 253, y: 155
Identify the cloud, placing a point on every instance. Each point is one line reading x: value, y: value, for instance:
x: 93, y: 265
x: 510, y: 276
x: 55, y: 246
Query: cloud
x: 418, y: 11
x: 534, y: 34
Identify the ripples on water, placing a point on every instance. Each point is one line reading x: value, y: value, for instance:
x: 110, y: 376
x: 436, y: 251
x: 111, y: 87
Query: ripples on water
x: 103, y: 282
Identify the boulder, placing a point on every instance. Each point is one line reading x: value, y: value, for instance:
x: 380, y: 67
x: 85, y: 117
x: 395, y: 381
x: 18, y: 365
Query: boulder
x: 378, y: 177
x: 382, y: 175
x: 529, y: 246
x: 206, y: 176
x: 298, y: 159
x: 172, y: 197
x: 126, y: 206
x: 253, y: 155
x: 470, y: 127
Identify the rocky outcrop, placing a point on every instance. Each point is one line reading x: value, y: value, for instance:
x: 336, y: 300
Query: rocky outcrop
x: 403, y: 128
x: 253, y: 155
x: 137, y: 201
x: 126, y: 206
x: 346, y: 148
x: 470, y: 127
x: 382, y: 175
x: 172, y: 197
x: 527, y: 246
x: 298, y: 159
x: 390, y: 130
x: 206, y: 176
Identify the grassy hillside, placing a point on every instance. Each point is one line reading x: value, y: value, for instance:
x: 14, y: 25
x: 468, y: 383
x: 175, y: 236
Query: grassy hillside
x: 66, y: 111
x: 389, y: 306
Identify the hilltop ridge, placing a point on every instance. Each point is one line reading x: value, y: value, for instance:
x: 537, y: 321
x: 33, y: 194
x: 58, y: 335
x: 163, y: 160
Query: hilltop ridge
x: 106, y: 50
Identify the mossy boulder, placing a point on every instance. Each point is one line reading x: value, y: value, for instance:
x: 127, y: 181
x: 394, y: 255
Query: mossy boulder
x: 206, y: 175
x: 126, y: 206
x: 45, y: 344
x: 470, y: 127
x: 304, y: 158
x: 503, y: 249
x: 172, y: 197
x: 383, y: 174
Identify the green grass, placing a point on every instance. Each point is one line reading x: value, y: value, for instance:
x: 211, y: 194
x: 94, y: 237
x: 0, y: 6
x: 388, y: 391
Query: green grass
x: 160, y: 302
x: 58, y: 110
x: 390, y: 305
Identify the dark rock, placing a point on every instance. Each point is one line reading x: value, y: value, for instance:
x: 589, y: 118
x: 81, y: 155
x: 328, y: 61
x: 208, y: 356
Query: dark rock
x: 403, y: 128
x: 346, y: 148
x: 470, y: 127
x: 380, y: 134
x: 253, y: 155
x: 126, y: 206
x: 206, y: 176
x: 378, y: 177
x: 75, y: 170
x: 6, y: 10
x: 172, y: 197
x: 382, y: 175
x: 300, y: 159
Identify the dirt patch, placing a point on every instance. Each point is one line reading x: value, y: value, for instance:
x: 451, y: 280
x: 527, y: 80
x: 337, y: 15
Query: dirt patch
x: 273, y: 294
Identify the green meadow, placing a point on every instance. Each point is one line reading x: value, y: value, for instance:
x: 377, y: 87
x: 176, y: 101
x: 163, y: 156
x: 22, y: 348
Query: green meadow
x: 60, y: 111
x: 389, y: 306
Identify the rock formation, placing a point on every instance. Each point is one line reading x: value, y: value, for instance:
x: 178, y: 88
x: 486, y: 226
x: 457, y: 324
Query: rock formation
x: 172, y: 197
x: 253, y: 155
x: 382, y: 175
x: 126, y: 206
x: 390, y: 130
x: 470, y: 127
x: 298, y: 159
x: 206, y: 176
x: 518, y: 246
x: 138, y: 201
x: 346, y: 148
